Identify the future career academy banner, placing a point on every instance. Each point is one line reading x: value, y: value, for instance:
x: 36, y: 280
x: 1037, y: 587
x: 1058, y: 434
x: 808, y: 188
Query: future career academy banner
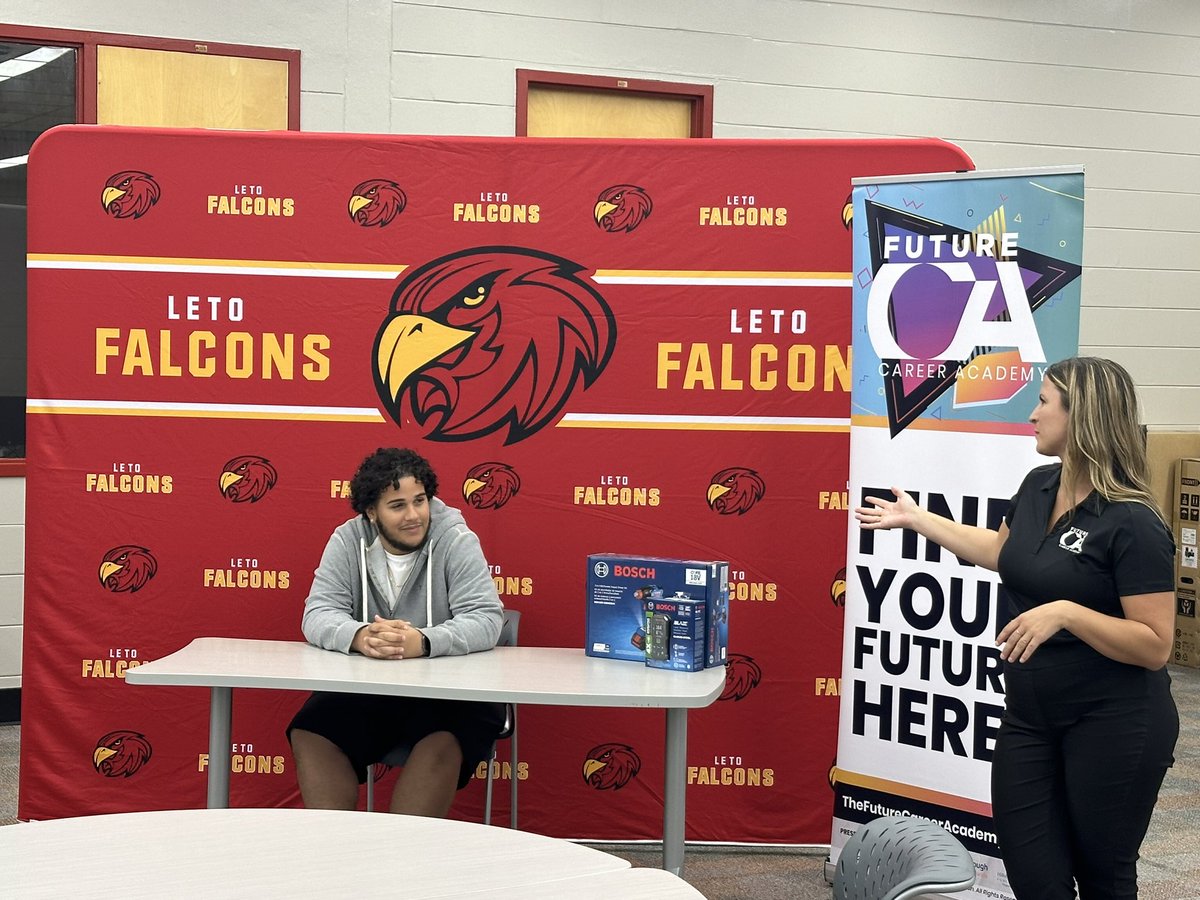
x: 625, y: 347
x: 965, y: 288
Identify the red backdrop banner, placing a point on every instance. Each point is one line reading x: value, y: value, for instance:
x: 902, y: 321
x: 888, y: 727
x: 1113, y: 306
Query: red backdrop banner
x: 582, y: 336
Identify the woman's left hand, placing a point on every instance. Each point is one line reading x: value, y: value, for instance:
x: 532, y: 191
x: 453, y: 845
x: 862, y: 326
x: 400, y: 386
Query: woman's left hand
x: 1021, y: 637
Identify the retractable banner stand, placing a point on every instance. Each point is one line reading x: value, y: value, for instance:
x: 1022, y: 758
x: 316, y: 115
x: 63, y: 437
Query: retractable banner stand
x: 965, y: 288
x: 640, y: 348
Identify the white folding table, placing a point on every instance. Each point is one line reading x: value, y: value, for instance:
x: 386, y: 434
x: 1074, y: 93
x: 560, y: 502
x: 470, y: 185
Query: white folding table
x: 228, y: 853
x: 539, y: 675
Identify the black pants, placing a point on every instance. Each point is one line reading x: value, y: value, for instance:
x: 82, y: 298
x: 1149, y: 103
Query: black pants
x: 1080, y: 756
x: 366, y: 726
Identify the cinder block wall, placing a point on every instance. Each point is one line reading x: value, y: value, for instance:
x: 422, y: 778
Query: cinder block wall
x: 1107, y: 86
x: 12, y: 578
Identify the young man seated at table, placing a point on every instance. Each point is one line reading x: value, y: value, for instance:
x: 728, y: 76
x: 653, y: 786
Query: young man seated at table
x: 429, y: 592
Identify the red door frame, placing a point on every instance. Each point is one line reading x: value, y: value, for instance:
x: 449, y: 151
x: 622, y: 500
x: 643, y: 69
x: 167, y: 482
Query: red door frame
x: 700, y: 95
x: 86, y: 74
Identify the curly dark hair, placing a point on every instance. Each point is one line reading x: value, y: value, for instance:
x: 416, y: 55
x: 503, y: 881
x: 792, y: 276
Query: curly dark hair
x: 383, y: 469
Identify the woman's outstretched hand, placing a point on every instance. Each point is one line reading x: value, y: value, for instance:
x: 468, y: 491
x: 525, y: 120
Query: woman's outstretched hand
x: 880, y: 513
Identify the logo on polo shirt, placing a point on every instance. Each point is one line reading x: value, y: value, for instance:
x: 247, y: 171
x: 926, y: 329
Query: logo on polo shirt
x: 1072, y: 540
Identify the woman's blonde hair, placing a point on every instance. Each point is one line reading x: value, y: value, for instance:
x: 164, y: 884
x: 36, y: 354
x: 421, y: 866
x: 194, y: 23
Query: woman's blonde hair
x: 1105, y: 439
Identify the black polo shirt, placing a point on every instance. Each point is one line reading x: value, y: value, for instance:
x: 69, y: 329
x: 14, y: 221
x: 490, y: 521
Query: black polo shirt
x: 1102, y: 552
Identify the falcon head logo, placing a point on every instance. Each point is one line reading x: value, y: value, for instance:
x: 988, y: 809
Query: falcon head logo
x: 376, y: 202
x: 742, y: 675
x: 129, y: 194
x: 611, y: 766
x: 121, y: 753
x: 490, y: 485
x: 735, y: 490
x: 490, y: 339
x: 127, y: 568
x: 848, y: 211
x: 247, y: 478
x: 622, y: 207
x: 837, y: 590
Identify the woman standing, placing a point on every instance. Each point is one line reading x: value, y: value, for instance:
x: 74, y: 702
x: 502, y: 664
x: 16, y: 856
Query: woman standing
x: 1087, y: 619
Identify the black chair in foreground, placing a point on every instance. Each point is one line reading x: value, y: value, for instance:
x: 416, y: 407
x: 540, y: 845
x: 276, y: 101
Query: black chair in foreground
x: 899, y: 858
x: 398, y: 756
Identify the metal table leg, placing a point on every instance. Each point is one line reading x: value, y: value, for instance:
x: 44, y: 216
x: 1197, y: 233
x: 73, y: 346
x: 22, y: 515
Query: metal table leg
x: 220, y: 719
x: 675, y: 786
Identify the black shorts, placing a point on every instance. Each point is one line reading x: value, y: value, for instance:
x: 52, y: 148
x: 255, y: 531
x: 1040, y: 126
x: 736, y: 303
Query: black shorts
x: 366, y: 727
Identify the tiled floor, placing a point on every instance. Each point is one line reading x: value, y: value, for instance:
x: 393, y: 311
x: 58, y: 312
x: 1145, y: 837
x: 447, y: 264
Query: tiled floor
x: 1170, y: 867
x: 1169, y: 870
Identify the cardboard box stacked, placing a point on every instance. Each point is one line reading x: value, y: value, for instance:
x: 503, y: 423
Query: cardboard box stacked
x: 1186, y: 516
x: 665, y: 613
x: 1166, y: 448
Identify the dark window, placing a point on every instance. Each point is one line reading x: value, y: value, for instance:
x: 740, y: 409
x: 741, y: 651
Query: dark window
x: 37, y: 92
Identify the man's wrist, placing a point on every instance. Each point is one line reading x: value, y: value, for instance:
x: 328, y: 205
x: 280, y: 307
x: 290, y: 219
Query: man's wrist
x: 424, y: 644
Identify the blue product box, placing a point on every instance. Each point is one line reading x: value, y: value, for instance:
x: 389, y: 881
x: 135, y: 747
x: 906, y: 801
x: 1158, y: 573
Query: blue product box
x: 716, y: 617
x: 675, y: 634
x: 618, y: 586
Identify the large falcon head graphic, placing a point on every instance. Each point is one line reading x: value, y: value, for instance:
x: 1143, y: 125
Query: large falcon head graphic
x: 376, y: 202
x: 622, y: 207
x: 129, y: 194
x: 488, y: 339
x: 247, y: 478
x: 127, y: 568
x: 735, y: 490
x: 848, y: 211
x: 121, y: 753
x: 490, y: 485
x: 611, y: 766
x: 742, y: 675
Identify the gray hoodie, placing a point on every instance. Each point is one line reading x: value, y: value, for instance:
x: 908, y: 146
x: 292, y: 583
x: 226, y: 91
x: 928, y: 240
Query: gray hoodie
x: 449, y: 594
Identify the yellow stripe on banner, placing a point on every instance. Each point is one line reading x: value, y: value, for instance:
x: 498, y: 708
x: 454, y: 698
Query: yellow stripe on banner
x: 869, y: 421
x: 717, y: 274
x: 704, y: 426
x: 202, y: 414
x: 203, y: 262
x: 912, y: 792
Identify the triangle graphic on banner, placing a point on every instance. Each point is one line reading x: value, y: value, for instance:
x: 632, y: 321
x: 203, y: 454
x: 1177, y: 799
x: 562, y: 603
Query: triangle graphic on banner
x: 908, y: 396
